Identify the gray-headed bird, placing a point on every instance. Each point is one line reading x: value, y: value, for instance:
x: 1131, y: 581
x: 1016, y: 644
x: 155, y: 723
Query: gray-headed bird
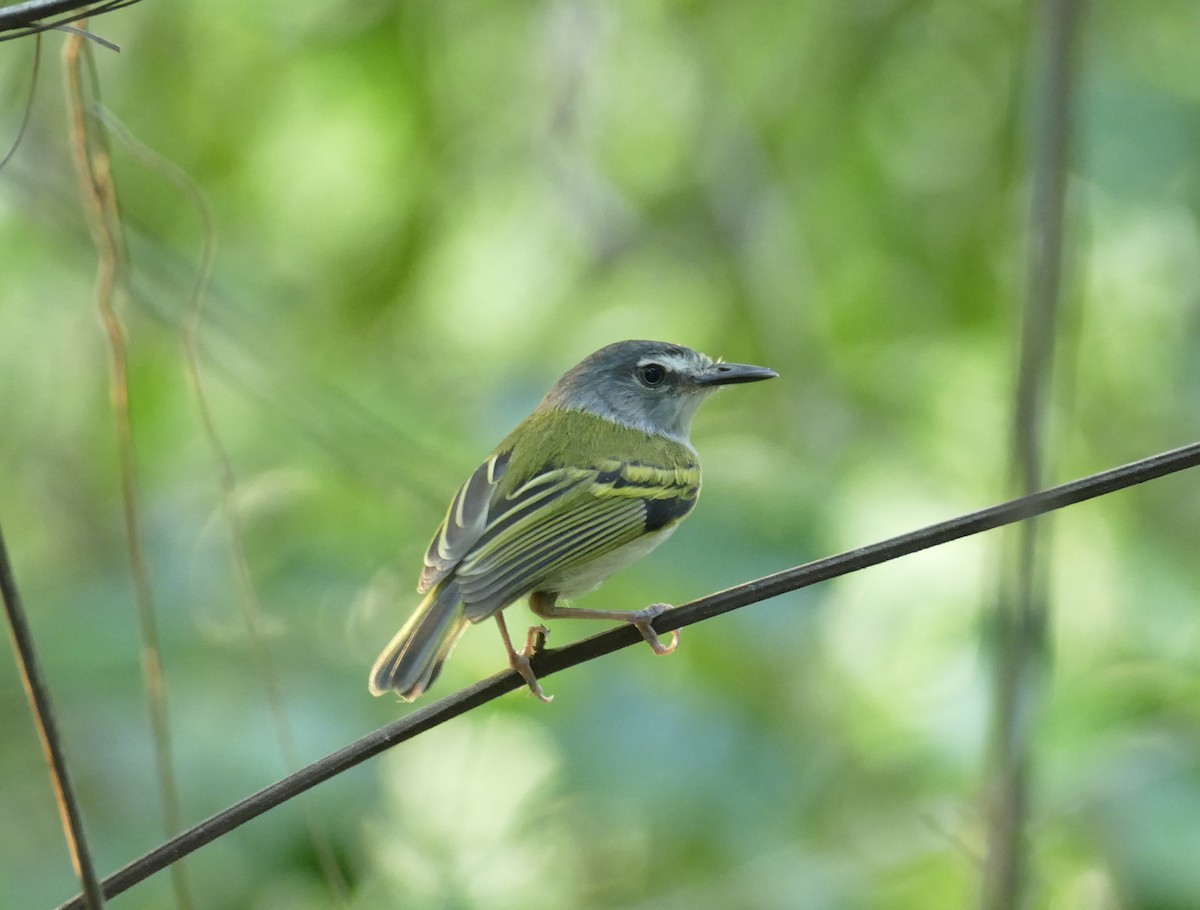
x: 596, y: 477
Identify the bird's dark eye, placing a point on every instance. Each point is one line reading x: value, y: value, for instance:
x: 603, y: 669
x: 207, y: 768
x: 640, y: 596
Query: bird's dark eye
x: 651, y: 374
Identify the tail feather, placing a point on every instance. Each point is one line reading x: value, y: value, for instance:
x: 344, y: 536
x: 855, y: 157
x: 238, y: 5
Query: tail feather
x: 412, y: 660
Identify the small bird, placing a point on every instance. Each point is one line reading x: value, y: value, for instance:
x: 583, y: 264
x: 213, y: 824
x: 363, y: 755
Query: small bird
x: 595, y: 478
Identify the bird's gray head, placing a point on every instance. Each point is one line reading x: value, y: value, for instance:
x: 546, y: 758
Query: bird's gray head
x: 651, y: 385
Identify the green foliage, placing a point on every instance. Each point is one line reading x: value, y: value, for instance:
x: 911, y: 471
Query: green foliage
x: 426, y: 212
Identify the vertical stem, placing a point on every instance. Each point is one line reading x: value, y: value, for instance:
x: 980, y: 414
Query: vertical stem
x: 43, y: 717
x: 1022, y: 613
x: 100, y: 203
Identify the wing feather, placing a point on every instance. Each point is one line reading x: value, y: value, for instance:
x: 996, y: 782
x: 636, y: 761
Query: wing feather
x: 478, y: 508
x: 570, y: 528
x: 588, y: 528
x: 464, y: 522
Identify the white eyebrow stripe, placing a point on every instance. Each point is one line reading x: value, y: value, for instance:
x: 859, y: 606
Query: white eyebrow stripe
x: 677, y: 362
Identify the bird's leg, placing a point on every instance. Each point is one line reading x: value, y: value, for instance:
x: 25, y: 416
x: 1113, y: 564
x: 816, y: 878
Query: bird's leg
x: 519, y: 660
x: 546, y: 606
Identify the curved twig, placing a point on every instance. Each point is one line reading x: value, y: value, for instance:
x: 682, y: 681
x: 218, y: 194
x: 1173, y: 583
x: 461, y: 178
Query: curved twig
x: 33, y: 79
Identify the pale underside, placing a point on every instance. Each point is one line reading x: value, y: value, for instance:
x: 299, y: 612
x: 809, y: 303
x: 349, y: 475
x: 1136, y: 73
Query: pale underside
x: 587, y: 577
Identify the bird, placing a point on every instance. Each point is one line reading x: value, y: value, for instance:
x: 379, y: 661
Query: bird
x: 600, y: 474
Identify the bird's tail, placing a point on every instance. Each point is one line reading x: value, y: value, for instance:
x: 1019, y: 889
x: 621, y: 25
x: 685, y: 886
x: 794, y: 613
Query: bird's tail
x: 412, y: 660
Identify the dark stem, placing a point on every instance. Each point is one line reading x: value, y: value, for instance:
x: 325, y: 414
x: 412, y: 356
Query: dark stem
x: 33, y: 16
x: 43, y: 718
x: 1022, y: 613
x: 552, y: 661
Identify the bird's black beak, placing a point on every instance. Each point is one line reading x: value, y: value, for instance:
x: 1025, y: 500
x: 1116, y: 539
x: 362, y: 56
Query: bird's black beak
x: 733, y: 373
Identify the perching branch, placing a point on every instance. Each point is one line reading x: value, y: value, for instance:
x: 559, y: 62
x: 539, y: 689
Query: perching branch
x: 551, y: 661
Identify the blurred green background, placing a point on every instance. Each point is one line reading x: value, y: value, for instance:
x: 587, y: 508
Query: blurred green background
x: 426, y: 212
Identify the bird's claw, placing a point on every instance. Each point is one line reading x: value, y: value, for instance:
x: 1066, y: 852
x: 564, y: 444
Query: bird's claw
x: 535, y: 640
x: 642, y: 622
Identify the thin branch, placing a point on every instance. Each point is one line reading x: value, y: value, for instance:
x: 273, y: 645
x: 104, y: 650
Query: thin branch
x: 94, y: 165
x: 33, y: 78
x: 1022, y: 612
x: 552, y: 661
x: 22, y: 19
x: 43, y: 717
x: 90, y: 36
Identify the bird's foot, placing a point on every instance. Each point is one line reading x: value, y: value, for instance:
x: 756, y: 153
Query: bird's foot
x: 519, y: 660
x: 641, y: 620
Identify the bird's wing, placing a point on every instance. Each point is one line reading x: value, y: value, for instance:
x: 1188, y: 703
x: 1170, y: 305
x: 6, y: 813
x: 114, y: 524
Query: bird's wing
x: 502, y: 539
x: 464, y: 522
x: 563, y: 518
